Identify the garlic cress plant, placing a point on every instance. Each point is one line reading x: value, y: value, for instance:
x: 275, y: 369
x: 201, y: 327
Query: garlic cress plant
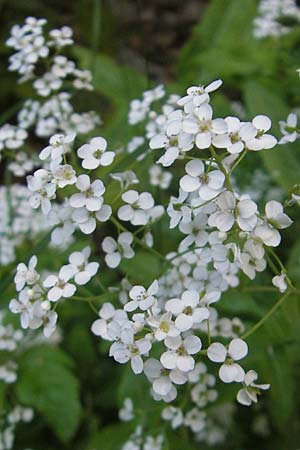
x: 170, y: 330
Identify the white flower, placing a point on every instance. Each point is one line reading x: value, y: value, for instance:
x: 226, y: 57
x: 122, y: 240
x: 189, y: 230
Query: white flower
x: 230, y: 210
x: 155, y: 372
x: 163, y: 326
x: 250, y: 265
x: 187, y: 310
x: 160, y: 178
x: 90, y: 194
x: 289, y: 129
x: 47, y: 83
x: 174, y: 145
x: 238, y: 134
x: 209, y: 184
x: 179, y: 353
x: 198, y: 95
x: 94, y: 154
x: 142, y: 298
x: 229, y: 370
x: 110, y: 322
x: 275, y: 218
x: 137, y: 207
x: 82, y: 270
x: 279, y: 281
x: 86, y: 220
x: 64, y: 175
x: 204, y: 127
x: 49, y: 323
x: 195, y: 419
x: 59, y: 286
x: 131, y: 350
x: 262, y: 140
x: 178, y: 211
x: 195, y: 231
x: 126, y: 178
x: 115, y: 250
x: 43, y: 190
x: 251, y: 390
x: 173, y: 415
x: 126, y: 413
x: 26, y: 275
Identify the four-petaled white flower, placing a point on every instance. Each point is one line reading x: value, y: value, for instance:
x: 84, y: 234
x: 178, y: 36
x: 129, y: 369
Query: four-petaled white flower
x: 275, y: 219
x: 230, y: 209
x: 262, y: 140
x: 59, y: 285
x: 229, y: 371
x: 82, y: 270
x: 187, y: 310
x: 94, y: 154
x: 209, y: 184
x: 279, y: 281
x: 116, y: 250
x: 26, y: 274
x: 90, y: 194
x: 179, y: 352
x: 142, y: 298
x: 137, y: 208
x: 131, y: 350
x: 251, y: 390
x: 289, y: 129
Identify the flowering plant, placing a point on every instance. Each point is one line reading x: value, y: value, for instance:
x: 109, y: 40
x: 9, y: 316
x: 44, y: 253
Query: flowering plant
x: 156, y: 243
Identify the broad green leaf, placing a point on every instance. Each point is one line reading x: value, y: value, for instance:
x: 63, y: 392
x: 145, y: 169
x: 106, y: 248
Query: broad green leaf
x: 143, y: 268
x: 119, y: 83
x: 47, y: 384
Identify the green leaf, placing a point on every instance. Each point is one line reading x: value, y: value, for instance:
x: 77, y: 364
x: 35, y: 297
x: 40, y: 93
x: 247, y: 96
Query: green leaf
x: 214, y: 50
x: 47, y: 384
x: 119, y: 83
x: 111, y: 437
x: 143, y: 268
x: 282, y: 162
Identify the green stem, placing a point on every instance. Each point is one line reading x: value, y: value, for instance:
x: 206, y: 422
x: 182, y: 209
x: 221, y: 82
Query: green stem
x: 266, y: 317
x: 95, y: 31
x: 139, y: 241
x: 222, y: 168
x: 238, y: 161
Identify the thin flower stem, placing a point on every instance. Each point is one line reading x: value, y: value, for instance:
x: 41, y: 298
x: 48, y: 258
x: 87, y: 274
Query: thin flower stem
x: 139, y: 241
x: 281, y: 265
x: 267, y: 316
x: 222, y: 168
x: 208, y: 332
x: 238, y: 161
x: 260, y: 289
x: 95, y: 297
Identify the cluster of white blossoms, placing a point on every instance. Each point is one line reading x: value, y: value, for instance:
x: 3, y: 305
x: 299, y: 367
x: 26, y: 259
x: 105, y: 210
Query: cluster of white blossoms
x: 39, y: 59
x: 169, y: 328
x: 38, y: 294
x: 272, y: 17
x: 8, y: 425
x: 17, y: 221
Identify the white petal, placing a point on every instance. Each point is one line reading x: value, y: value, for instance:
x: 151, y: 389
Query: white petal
x: 238, y: 349
x: 217, y: 352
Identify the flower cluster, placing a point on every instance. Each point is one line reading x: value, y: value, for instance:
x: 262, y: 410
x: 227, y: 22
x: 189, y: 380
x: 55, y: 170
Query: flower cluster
x: 270, y: 12
x: 169, y: 328
x: 9, y: 422
x: 39, y: 59
x: 17, y: 221
x: 38, y: 295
